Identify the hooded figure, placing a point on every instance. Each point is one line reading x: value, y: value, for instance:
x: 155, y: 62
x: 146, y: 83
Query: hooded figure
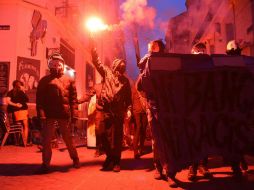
x: 115, y: 100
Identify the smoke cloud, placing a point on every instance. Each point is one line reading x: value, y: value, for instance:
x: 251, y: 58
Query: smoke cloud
x: 137, y: 12
x: 201, y: 13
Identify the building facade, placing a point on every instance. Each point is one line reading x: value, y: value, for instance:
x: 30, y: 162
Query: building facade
x: 215, y: 23
x: 31, y: 30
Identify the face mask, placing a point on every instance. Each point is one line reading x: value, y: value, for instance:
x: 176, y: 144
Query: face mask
x: 56, y: 72
x: 118, y: 66
x: 56, y: 68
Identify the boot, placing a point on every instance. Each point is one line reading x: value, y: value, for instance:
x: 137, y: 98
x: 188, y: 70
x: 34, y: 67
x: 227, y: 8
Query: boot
x: 76, y: 163
x: 203, y: 170
x: 192, y: 173
x: 106, y: 165
x: 172, y: 181
x: 158, y: 174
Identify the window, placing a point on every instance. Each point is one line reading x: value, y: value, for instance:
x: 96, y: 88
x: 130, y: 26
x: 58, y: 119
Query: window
x: 229, y: 31
x: 68, y: 53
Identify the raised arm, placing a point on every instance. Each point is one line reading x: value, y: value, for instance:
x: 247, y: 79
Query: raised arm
x: 97, y: 63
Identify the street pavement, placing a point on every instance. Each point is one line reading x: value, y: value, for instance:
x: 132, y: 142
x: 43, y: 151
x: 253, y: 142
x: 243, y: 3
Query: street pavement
x: 19, y: 168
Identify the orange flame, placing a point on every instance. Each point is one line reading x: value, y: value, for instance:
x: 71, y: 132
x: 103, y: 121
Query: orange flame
x: 95, y: 24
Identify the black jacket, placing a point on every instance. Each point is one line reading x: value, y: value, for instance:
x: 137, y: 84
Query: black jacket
x: 56, y: 97
x: 116, y: 91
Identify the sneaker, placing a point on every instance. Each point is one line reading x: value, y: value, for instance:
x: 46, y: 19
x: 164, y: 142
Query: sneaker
x: 44, y: 169
x: 76, y: 163
x: 106, y: 165
x: 158, y: 174
x: 192, y: 174
x: 237, y: 173
x: 137, y: 156
x: 116, y: 168
x: 172, y: 182
x: 40, y: 148
x: 97, y: 153
x: 203, y: 170
x: 244, y: 165
x: 29, y: 144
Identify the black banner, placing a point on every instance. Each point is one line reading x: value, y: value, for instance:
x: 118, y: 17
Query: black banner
x: 201, y: 110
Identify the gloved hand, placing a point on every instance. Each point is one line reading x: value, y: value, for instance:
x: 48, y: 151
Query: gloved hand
x: 94, y: 53
x: 128, y: 115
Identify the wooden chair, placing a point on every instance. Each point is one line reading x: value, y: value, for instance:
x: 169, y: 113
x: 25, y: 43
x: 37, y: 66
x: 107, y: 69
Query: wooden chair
x: 16, y: 128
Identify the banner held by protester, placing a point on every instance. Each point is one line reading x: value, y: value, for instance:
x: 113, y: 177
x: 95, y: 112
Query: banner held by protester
x: 203, y: 109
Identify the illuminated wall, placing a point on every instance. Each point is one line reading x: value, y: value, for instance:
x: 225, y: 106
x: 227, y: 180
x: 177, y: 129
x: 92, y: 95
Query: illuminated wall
x: 15, y: 41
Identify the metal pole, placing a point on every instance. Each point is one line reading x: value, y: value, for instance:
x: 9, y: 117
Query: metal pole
x: 136, y: 42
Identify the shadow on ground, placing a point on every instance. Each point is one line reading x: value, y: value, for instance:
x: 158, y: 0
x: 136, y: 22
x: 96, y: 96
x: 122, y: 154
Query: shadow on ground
x: 34, y: 169
x: 226, y: 183
x: 13, y: 169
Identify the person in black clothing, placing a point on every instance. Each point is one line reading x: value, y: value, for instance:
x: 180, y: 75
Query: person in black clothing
x: 234, y: 49
x: 140, y: 122
x: 201, y: 166
x: 17, y: 101
x: 156, y: 46
x: 99, y: 117
x: 56, y: 103
x: 114, y: 100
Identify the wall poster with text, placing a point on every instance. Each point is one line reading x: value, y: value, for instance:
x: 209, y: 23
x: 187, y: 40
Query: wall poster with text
x: 28, y: 71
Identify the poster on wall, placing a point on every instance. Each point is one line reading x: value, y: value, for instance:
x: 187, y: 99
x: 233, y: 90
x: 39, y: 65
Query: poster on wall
x: 28, y: 71
x: 4, y: 78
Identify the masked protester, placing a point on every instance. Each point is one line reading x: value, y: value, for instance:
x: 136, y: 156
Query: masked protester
x: 234, y: 49
x: 56, y: 103
x: 114, y: 101
x: 201, y: 166
x: 156, y: 46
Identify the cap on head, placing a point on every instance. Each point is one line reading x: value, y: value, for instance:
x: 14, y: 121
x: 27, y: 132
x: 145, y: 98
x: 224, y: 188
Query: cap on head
x: 55, y: 56
x: 119, y: 65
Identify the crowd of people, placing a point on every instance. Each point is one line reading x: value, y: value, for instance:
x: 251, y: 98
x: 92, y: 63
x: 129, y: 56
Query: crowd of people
x: 116, y: 100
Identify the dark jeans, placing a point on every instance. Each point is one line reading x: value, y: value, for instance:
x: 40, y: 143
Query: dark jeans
x: 140, y: 131
x: 48, y: 132
x: 112, y: 138
x: 99, y: 129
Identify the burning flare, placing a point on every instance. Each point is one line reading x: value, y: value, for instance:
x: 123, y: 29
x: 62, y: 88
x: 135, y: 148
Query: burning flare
x: 95, y: 24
